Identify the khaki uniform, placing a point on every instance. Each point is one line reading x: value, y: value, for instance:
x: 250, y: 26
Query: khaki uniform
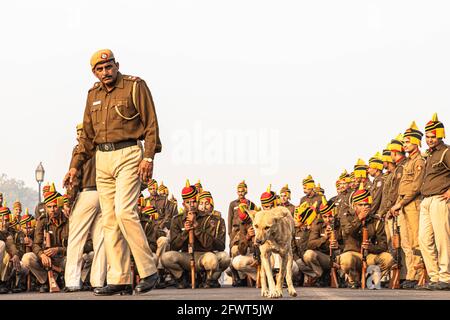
x: 205, y: 242
x: 223, y: 257
x: 8, y: 249
x: 316, y: 259
x: 165, y: 212
x: 156, y: 238
x: 376, y: 191
x: 59, y: 234
x: 85, y: 219
x: 299, y: 246
x: 434, y: 227
x: 290, y: 206
x: 243, y: 262
x: 124, y: 113
x: 312, y: 200
x: 342, y: 202
x: 234, y: 221
x: 351, y: 260
x: 409, y: 192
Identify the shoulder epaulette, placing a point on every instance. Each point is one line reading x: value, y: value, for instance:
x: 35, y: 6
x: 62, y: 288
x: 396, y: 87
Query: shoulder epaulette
x: 95, y: 86
x: 131, y: 78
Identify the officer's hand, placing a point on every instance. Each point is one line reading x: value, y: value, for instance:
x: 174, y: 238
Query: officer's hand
x: 46, y: 261
x: 16, y: 262
x: 250, y: 232
x: 50, y: 252
x: 334, y: 245
x: 188, y: 225
x: 363, y: 214
x: 445, y: 197
x: 28, y: 242
x: 395, y: 210
x: 145, y: 171
x: 68, y: 179
x: 365, y: 245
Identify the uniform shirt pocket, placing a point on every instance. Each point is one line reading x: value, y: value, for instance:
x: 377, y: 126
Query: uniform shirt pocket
x: 123, y: 110
x: 96, y: 114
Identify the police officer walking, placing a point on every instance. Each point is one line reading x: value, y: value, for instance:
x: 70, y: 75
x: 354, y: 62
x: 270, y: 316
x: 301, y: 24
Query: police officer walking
x: 119, y: 114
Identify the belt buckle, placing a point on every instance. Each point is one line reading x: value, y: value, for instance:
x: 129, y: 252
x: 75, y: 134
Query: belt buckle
x: 108, y: 146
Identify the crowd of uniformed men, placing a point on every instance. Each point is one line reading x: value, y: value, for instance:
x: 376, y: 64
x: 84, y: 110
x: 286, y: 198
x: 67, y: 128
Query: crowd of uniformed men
x: 410, y: 188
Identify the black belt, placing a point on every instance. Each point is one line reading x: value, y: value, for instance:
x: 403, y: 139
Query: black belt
x: 111, y: 146
x: 89, y: 189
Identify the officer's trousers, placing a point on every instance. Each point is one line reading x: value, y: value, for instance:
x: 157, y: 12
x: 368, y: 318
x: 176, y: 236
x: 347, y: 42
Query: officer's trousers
x: 434, y: 238
x: 85, y: 218
x: 118, y: 186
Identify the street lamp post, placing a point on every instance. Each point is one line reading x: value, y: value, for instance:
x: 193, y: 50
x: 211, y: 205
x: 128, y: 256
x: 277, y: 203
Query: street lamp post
x: 39, y: 174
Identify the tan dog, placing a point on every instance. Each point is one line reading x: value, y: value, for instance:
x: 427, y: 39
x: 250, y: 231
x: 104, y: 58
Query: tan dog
x: 274, y: 230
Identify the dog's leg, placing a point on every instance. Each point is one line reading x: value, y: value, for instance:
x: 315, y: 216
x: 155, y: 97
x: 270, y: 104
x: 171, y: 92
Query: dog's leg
x: 265, y: 262
x: 264, y: 290
x: 281, y: 274
x: 290, y: 261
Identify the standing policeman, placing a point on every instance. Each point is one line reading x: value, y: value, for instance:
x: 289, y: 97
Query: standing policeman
x: 119, y: 112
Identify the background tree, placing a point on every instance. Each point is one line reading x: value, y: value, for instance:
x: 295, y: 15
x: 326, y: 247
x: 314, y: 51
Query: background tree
x: 13, y: 190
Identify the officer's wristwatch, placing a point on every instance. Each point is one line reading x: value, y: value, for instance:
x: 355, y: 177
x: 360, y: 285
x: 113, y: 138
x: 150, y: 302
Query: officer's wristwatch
x: 148, y: 160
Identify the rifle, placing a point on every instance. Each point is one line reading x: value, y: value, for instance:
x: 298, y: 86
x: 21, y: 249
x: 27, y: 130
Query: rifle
x: 191, y: 252
x: 51, y: 277
x: 334, y: 281
x: 394, y: 283
x: 365, y: 237
x: 257, y: 257
x: 421, y: 266
x: 28, y: 249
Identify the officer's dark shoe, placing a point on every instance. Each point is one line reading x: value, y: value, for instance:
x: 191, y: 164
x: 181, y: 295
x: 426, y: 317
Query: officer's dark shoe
x: 71, y: 289
x: 437, y: 286
x: 112, y: 289
x: 19, y: 289
x: 212, y: 284
x: 147, y: 283
x: 43, y: 288
x: 241, y: 283
x: 408, y: 284
x: 181, y: 282
x: 3, y: 288
x: 162, y: 280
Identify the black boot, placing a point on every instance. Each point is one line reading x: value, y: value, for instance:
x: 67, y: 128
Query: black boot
x: 162, y: 280
x: 3, y: 288
x: 235, y: 277
x: 212, y: 284
x: 181, y: 282
x: 148, y: 283
x: 112, y: 289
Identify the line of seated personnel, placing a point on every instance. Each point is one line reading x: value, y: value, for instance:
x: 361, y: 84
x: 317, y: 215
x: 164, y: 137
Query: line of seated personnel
x: 23, y: 242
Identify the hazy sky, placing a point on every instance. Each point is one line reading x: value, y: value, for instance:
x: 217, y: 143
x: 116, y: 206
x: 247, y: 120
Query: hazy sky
x: 267, y: 91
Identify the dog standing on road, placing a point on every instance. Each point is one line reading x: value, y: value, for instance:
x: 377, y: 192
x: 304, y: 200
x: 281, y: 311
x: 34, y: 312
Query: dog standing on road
x: 274, y: 230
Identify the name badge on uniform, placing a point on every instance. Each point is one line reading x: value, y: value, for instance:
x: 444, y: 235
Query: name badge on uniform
x: 96, y: 103
x: 297, y: 238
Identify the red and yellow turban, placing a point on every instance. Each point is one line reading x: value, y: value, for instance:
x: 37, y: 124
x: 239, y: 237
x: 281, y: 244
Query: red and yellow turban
x: 27, y: 221
x: 327, y: 207
x: 150, y: 211
x: 286, y: 190
x: 268, y: 197
x: 52, y: 196
x: 361, y: 195
x: 436, y: 127
x: 242, y: 185
x: 207, y: 196
x: 189, y: 191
